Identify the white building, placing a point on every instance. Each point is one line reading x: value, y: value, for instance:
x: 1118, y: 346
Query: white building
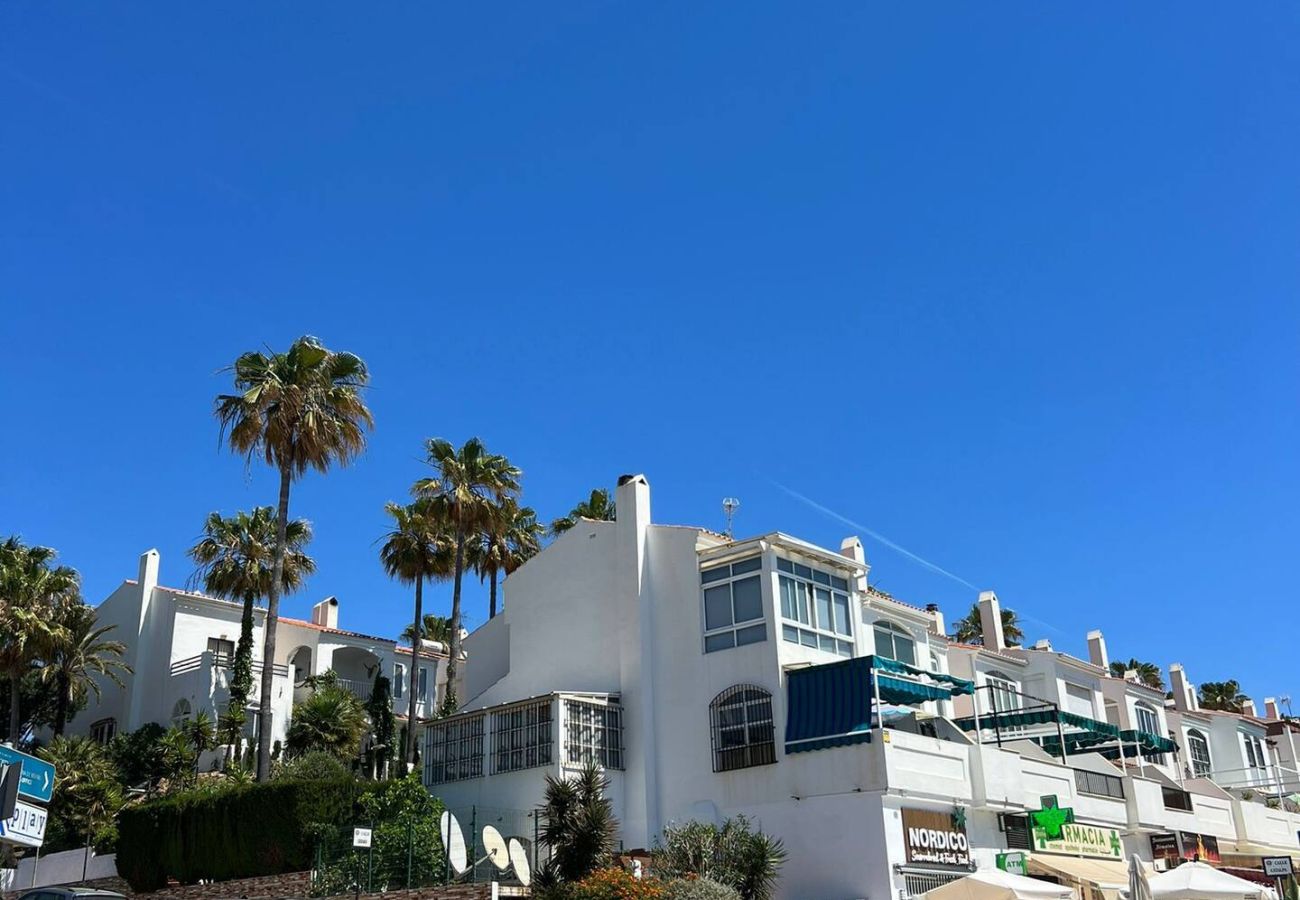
x: 712, y: 677
x: 181, y: 646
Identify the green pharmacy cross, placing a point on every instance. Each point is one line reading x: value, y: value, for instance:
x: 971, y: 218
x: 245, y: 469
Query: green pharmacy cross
x: 1051, y: 817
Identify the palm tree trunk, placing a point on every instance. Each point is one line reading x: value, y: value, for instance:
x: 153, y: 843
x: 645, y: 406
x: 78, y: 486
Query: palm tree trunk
x: 492, y: 594
x: 15, y: 716
x: 415, y: 666
x: 61, y: 710
x: 268, y: 641
x: 453, y: 656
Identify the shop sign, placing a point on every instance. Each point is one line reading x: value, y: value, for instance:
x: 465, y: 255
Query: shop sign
x: 1165, y: 846
x: 26, y: 826
x: 1276, y: 866
x: 936, y: 838
x: 1203, y: 847
x: 1055, y: 831
x: 1012, y: 862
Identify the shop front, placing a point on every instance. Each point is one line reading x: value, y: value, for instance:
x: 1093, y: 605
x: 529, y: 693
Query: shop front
x: 936, y: 848
x: 1088, y: 858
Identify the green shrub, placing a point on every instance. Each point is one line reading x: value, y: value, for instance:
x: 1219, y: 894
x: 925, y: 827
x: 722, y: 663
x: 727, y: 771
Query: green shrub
x: 260, y: 829
x: 734, y: 854
x: 698, y: 889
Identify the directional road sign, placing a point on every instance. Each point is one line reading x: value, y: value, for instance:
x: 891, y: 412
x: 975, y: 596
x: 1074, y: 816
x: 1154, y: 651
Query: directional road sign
x: 26, y: 826
x: 38, y: 776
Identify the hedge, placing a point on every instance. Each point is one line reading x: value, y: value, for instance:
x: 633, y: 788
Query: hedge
x: 242, y: 832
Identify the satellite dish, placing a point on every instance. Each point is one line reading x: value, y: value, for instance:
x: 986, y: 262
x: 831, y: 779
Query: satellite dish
x: 453, y: 839
x: 495, y: 847
x: 519, y: 859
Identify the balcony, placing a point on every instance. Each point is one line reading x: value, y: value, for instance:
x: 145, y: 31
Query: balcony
x: 209, y: 675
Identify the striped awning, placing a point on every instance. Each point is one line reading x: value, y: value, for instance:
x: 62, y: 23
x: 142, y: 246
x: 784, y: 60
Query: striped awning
x: 1043, y: 715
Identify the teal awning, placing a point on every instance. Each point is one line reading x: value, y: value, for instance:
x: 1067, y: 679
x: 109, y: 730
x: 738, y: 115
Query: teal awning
x: 955, y: 685
x: 828, y: 705
x: 1148, y: 742
x: 1022, y: 718
x: 896, y: 690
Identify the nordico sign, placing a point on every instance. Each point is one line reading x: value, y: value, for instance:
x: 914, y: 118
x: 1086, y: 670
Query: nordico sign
x: 936, y: 838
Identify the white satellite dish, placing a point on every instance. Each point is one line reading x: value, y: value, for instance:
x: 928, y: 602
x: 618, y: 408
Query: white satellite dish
x: 495, y: 847
x: 519, y: 859
x: 453, y: 839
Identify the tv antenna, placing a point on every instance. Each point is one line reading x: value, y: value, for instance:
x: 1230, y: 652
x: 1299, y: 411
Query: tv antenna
x: 729, y: 506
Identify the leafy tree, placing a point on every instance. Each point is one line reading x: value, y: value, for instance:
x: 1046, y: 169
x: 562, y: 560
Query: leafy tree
x: 734, y: 854
x: 332, y: 719
x: 314, y: 765
x: 578, y: 826
x: 138, y: 757
x: 38, y: 701
x: 416, y: 547
x: 78, y: 658
x: 970, y: 631
x: 467, y: 483
x: 599, y: 506
x: 383, y: 727
x: 1147, y: 673
x: 235, y: 557
x: 433, y: 628
x: 297, y: 410
x: 699, y: 889
x: 87, y: 794
x: 1224, y: 695
x: 510, y: 537
x: 31, y: 589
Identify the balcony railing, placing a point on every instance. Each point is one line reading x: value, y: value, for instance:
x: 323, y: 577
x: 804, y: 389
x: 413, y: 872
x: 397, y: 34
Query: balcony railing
x: 359, y: 689
x: 194, y: 663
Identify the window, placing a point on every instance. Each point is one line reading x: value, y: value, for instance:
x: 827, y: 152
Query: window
x: 399, y: 681
x: 733, y: 598
x: 181, y: 712
x: 222, y: 650
x: 1017, y: 831
x: 103, y: 731
x: 1176, y: 798
x: 422, y: 692
x: 1255, y: 758
x: 454, y: 749
x: 894, y: 642
x: 1149, y: 722
x: 1078, y: 700
x: 521, y: 737
x: 741, y: 726
x: 1198, y: 749
x: 1099, y: 784
x: 815, y: 608
x: 593, y: 733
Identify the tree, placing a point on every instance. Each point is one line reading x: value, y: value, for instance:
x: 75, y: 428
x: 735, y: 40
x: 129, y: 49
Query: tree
x: 1147, y: 673
x: 970, y: 631
x: 297, y: 410
x: 235, y: 557
x: 31, y: 589
x: 578, y: 825
x: 383, y: 728
x: 1224, y: 695
x: 77, y: 656
x: 599, y: 506
x: 201, y: 732
x: 416, y: 547
x: 466, y: 485
x: 87, y: 795
x: 433, y: 628
x: 332, y: 719
x: 734, y: 854
x: 510, y: 537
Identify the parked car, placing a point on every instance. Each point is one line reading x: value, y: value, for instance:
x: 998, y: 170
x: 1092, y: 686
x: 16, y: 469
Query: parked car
x: 70, y: 893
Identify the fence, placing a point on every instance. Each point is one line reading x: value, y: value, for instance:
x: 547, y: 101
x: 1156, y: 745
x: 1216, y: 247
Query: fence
x: 412, y: 855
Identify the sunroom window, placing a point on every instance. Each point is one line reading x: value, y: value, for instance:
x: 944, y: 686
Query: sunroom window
x: 733, y: 605
x: 1198, y: 748
x: 815, y: 609
x: 895, y: 642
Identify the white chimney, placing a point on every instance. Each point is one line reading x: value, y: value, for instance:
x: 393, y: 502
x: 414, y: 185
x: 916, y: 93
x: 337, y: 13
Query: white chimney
x: 936, y: 618
x: 991, y: 621
x: 1042, y: 644
x: 1183, y: 690
x: 326, y: 613
x: 1097, y: 650
x: 1248, y: 708
x: 853, y: 549
x: 1270, y: 709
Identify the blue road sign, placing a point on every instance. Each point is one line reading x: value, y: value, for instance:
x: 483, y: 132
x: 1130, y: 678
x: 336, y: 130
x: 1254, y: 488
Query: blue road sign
x: 37, y: 782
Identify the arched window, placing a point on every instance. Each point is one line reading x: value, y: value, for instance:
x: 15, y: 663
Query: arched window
x: 181, y: 712
x: 895, y: 642
x: 1003, y: 692
x: 1198, y: 749
x: 741, y: 726
x: 1149, y: 721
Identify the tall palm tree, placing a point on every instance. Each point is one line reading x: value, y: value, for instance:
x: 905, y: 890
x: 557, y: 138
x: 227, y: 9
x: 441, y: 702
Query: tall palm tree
x: 416, y: 547
x: 599, y: 506
x: 510, y: 538
x: 1147, y: 673
x: 77, y: 656
x: 1223, y: 695
x: 31, y: 589
x: 332, y: 719
x: 970, y: 631
x: 467, y: 484
x: 235, y: 557
x: 298, y: 410
x: 433, y: 628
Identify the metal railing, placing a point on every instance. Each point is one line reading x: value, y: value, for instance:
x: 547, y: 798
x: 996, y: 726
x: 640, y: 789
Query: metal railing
x: 359, y: 689
x: 194, y: 663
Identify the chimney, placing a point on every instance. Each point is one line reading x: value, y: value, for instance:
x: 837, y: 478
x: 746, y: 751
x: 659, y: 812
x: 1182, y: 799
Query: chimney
x: 991, y: 621
x: 936, y: 618
x: 146, y: 583
x: 1270, y: 709
x: 326, y: 613
x: 1184, y: 692
x: 853, y: 549
x: 1248, y: 708
x: 1042, y: 644
x: 1097, y: 650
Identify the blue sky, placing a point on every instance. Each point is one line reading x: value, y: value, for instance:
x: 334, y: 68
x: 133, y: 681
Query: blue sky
x: 1013, y: 286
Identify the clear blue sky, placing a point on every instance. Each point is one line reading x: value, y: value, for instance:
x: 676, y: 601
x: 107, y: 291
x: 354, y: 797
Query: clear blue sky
x: 1013, y: 286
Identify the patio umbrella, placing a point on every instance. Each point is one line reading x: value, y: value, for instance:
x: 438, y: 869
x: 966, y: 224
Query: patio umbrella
x: 995, y: 884
x: 1198, y: 881
x: 1138, y: 886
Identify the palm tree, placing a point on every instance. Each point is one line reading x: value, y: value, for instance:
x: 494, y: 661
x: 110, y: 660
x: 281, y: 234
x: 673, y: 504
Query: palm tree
x: 77, y: 656
x: 235, y: 557
x: 1147, y: 673
x: 201, y: 732
x: 297, y: 410
x: 87, y: 795
x: 599, y: 506
x: 433, y: 628
x: 970, y: 631
x: 31, y: 589
x: 509, y: 539
x: 414, y: 549
x: 578, y: 824
x: 332, y: 719
x: 467, y: 484
x: 1223, y: 695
